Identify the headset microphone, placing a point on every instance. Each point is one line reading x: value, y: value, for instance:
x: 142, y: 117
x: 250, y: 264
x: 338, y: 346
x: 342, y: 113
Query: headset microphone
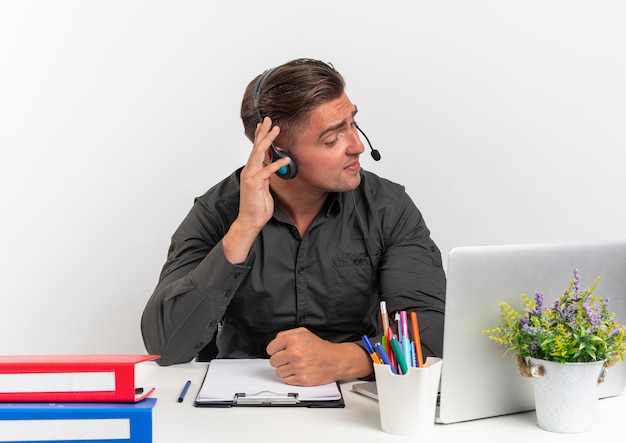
x: 375, y: 153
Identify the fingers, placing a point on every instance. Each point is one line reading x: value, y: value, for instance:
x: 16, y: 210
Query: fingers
x: 289, y: 337
x: 285, y: 348
x: 264, y: 136
x: 292, y: 355
x: 276, y: 345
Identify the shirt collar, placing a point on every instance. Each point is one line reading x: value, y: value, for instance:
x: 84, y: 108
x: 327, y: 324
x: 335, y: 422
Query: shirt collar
x: 332, y: 207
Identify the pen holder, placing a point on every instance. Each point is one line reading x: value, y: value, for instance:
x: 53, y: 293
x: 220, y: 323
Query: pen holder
x: 408, y: 402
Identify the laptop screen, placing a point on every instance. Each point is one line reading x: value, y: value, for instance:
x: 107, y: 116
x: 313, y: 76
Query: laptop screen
x: 477, y: 380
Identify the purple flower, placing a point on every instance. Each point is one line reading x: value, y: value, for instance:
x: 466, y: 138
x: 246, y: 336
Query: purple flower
x: 567, y: 314
x: 529, y: 328
x: 615, y: 331
x: 576, y: 284
x: 538, y: 300
x: 593, y: 318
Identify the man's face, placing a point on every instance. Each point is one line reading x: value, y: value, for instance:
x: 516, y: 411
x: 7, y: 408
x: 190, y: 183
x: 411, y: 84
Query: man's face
x: 327, y: 151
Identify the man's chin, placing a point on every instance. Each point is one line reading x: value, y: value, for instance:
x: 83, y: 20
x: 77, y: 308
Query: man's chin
x: 350, y: 185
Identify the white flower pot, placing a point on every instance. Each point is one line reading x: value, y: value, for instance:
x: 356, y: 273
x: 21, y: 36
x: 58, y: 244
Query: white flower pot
x: 566, y: 394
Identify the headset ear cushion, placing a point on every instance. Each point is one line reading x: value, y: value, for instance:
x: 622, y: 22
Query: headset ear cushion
x: 286, y: 172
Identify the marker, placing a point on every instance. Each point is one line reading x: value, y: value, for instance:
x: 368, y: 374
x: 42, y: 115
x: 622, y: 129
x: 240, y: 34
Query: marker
x: 405, y: 324
x: 370, y: 349
x: 399, y: 357
x: 406, y: 351
x: 416, y: 340
x: 388, y: 348
x: 181, y: 397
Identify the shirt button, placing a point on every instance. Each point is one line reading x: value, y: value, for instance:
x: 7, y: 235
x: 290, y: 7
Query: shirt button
x: 199, y: 345
x: 356, y: 261
x: 301, y: 271
x: 227, y: 293
x: 237, y: 275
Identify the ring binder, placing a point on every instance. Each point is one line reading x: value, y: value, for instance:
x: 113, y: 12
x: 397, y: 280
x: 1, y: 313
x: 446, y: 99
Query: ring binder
x: 72, y: 378
x: 266, y: 398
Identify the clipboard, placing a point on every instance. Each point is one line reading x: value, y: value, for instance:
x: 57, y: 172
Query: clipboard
x: 252, y: 382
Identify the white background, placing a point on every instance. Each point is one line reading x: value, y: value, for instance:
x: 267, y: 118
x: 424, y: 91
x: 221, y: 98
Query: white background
x: 505, y: 120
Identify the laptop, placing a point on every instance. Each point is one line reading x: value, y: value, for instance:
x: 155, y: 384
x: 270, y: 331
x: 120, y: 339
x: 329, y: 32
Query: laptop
x: 477, y: 380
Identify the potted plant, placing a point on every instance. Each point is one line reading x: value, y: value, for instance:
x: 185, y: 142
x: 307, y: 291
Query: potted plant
x: 575, y: 335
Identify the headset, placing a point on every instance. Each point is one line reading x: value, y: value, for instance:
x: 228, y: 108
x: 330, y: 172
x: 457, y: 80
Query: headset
x: 290, y: 171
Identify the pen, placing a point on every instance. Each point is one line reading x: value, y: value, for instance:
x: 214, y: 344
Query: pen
x: 181, y: 397
x: 416, y: 340
x: 404, y: 339
x: 384, y: 357
x: 370, y: 349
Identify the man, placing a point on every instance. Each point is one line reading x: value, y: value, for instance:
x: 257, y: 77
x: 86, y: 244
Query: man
x: 294, y: 269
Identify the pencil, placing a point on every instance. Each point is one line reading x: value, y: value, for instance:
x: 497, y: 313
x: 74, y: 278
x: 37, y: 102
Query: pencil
x: 416, y: 339
x: 384, y: 316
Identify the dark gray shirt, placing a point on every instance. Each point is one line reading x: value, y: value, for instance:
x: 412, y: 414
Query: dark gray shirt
x: 365, y: 246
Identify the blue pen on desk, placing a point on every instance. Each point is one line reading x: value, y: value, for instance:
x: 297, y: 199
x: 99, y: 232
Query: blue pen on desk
x: 384, y: 357
x: 181, y: 397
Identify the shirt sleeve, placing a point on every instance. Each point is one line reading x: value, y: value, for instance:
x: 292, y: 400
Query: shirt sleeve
x: 195, y: 287
x: 411, y: 273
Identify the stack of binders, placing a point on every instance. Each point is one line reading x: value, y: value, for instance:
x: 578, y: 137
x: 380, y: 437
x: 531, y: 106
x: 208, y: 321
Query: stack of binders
x: 81, y: 398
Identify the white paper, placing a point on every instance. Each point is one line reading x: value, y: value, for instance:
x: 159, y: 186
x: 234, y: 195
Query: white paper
x: 255, y: 377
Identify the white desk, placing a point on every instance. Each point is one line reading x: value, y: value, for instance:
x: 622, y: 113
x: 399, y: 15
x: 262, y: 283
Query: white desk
x: 357, y: 422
